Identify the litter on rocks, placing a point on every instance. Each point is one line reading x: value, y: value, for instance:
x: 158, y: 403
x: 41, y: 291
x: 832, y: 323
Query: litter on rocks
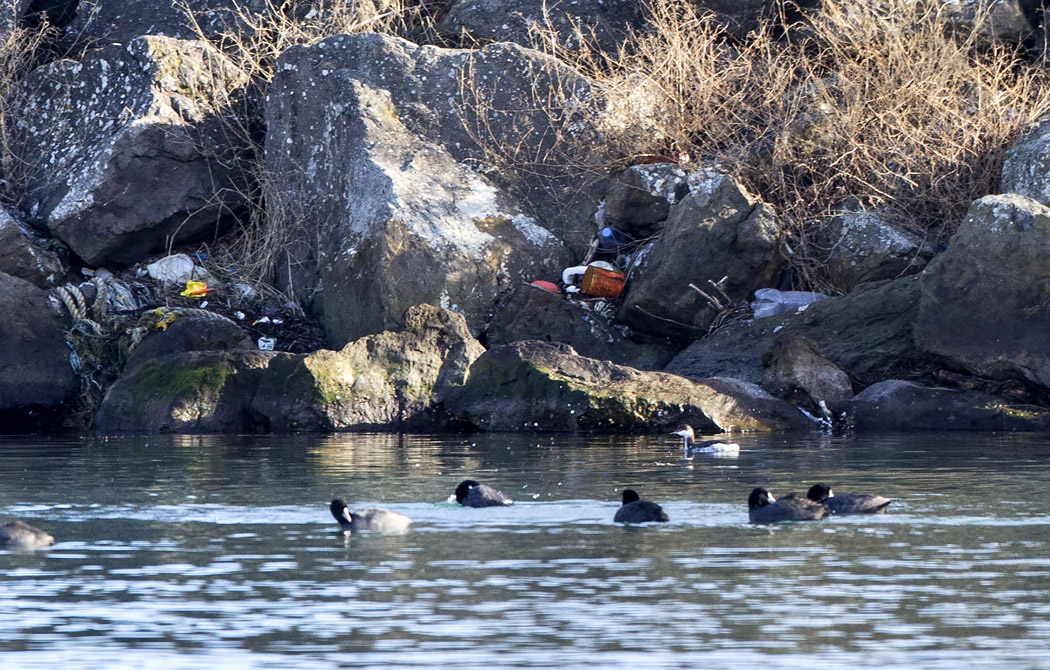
x: 770, y: 301
x: 196, y: 289
x: 174, y: 269
x: 267, y: 343
x: 546, y: 286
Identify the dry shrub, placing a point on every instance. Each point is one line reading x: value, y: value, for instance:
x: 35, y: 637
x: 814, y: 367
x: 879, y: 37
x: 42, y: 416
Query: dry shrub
x: 870, y: 104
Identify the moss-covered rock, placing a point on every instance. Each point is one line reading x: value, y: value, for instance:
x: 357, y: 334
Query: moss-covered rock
x: 533, y: 385
x: 393, y: 380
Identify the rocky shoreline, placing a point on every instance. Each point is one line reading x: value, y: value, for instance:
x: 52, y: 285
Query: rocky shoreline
x: 404, y: 299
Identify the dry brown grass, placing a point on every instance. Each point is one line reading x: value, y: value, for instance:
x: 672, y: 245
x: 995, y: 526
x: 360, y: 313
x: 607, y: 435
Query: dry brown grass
x: 871, y: 104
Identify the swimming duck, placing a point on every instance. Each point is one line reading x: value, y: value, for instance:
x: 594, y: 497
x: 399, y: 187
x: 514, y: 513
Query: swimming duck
x: 685, y: 431
x: 20, y: 536
x: 846, y: 503
x: 762, y: 507
x: 635, y: 510
x: 382, y: 520
x: 470, y: 493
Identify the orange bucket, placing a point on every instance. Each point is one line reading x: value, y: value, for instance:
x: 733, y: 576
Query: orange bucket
x: 602, y: 283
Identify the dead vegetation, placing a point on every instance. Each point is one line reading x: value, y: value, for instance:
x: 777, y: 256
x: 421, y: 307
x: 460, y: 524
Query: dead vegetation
x: 865, y: 105
x: 869, y: 104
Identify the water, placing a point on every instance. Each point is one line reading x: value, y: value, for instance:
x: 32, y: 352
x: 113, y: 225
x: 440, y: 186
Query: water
x: 190, y: 552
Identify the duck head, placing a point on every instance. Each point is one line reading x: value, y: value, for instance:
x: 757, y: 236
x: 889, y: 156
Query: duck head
x: 463, y: 490
x: 760, y: 497
x: 820, y: 492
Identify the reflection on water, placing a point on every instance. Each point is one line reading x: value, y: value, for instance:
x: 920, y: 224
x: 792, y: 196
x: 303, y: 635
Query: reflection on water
x: 191, y: 552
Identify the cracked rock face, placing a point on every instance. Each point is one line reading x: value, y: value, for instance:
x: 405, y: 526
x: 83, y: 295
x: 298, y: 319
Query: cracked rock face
x: 129, y: 151
x: 370, y: 148
x: 717, y: 230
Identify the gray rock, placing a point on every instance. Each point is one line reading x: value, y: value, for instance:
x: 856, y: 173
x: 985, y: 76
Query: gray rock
x: 367, y: 140
x: 895, y: 405
x: 603, y: 23
x: 35, y: 373
x: 539, y: 386
x: 868, y: 334
x: 171, y: 331
x: 793, y: 369
x: 864, y: 248
x: 1008, y: 20
x: 985, y: 304
x: 531, y: 314
x: 124, y: 20
x: 128, y: 152
x: 1026, y: 168
x: 23, y: 254
x: 640, y: 198
x: 718, y: 230
x: 385, y: 381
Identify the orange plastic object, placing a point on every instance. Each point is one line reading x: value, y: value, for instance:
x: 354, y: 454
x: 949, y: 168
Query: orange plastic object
x: 546, y: 286
x: 602, y: 283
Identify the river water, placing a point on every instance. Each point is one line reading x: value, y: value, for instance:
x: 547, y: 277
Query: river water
x: 208, y: 552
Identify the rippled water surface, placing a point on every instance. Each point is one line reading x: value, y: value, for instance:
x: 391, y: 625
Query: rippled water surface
x: 189, y: 552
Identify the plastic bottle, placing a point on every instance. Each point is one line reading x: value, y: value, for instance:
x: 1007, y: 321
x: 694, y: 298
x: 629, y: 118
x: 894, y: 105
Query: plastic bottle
x: 770, y: 301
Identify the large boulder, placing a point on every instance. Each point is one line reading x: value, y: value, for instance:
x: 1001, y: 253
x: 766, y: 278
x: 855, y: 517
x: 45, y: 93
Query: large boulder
x: 384, y: 381
x: 396, y: 380
x: 793, y: 369
x: 35, y: 370
x: 540, y: 386
x: 985, y: 304
x: 896, y: 405
x: 368, y: 141
x: 865, y: 248
x: 129, y: 151
x: 23, y: 254
x: 868, y: 334
x: 718, y: 230
x: 602, y: 23
x: 532, y: 314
